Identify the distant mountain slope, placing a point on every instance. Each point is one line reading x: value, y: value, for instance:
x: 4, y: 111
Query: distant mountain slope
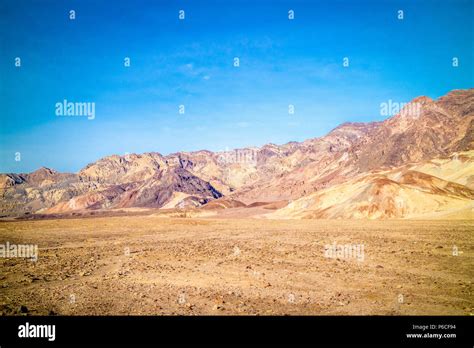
x: 439, y: 128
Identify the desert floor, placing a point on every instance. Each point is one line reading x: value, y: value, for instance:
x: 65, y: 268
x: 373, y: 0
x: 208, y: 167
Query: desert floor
x: 150, y: 265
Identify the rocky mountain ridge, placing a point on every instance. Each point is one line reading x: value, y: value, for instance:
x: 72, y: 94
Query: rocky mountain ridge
x: 422, y: 131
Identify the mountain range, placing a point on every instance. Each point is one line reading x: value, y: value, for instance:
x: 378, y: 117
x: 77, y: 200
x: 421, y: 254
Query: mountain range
x: 411, y: 165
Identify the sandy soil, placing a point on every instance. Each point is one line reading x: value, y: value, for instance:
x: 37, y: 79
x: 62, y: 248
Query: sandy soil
x: 150, y: 265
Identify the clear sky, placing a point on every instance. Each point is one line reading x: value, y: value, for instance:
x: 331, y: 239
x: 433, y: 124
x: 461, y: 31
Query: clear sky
x: 190, y: 62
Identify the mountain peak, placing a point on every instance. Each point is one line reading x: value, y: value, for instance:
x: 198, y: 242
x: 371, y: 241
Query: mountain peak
x: 424, y: 100
x: 44, y: 170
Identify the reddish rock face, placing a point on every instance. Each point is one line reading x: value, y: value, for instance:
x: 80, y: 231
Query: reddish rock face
x: 272, y: 173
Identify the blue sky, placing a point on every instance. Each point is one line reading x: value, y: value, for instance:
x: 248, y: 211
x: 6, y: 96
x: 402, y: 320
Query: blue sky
x: 190, y: 62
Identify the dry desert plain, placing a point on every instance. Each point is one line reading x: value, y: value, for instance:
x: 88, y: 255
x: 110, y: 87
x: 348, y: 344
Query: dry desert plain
x: 155, y: 265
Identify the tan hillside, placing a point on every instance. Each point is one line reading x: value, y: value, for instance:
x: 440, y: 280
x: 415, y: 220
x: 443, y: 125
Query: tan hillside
x: 399, y: 193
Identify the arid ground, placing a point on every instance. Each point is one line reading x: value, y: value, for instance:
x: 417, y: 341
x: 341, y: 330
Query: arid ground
x: 153, y: 265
